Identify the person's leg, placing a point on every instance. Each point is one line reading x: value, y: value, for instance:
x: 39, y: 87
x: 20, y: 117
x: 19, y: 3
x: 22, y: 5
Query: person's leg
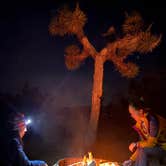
x: 141, y: 159
x: 144, y: 153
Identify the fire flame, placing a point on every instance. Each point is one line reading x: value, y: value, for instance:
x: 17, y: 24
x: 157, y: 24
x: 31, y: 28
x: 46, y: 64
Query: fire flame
x: 112, y: 164
x: 89, y: 158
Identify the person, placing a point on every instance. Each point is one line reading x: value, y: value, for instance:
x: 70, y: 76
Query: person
x: 13, y: 128
x: 151, y: 129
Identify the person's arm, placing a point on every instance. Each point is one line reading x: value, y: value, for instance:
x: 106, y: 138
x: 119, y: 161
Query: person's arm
x: 152, y: 138
x: 21, y: 158
x: 134, y: 156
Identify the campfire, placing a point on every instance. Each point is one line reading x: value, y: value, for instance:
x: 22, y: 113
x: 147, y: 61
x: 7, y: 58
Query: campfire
x: 87, y: 160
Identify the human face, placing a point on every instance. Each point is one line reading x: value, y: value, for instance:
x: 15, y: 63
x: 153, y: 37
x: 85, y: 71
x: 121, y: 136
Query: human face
x: 136, y: 114
x: 22, y: 132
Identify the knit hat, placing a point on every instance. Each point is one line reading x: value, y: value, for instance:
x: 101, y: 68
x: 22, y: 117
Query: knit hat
x: 17, y: 121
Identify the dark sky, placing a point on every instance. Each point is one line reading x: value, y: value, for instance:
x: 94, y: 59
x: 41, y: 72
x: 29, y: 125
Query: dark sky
x: 29, y: 53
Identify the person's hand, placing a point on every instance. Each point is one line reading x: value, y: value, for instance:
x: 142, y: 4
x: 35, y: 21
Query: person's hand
x: 127, y: 163
x: 133, y: 146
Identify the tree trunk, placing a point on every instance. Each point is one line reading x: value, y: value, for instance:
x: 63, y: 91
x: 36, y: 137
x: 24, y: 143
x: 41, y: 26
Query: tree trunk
x: 96, y: 97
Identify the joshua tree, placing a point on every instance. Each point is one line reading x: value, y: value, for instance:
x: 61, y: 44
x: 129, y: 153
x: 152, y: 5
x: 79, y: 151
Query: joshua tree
x: 135, y: 37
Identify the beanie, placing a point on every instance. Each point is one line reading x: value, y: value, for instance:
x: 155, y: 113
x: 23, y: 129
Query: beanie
x: 17, y: 121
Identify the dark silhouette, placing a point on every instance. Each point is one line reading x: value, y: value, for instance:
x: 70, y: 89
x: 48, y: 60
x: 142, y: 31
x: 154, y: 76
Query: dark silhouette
x: 12, y: 130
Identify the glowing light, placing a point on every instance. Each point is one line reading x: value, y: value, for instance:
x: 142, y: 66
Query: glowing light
x: 112, y: 164
x: 28, y: 121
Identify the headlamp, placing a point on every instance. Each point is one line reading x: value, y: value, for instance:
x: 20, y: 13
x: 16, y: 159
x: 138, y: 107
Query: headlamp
x: 28, y: 121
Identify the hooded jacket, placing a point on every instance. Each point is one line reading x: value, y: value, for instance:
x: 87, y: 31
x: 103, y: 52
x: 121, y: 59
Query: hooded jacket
x: 13, y: 154
x: 11, y: 147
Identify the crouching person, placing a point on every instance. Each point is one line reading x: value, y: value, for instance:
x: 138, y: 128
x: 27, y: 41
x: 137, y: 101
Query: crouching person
x: 11, y: 146
x: 152, y: 132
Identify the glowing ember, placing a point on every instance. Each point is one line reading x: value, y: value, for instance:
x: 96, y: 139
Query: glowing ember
x: 109, y: 164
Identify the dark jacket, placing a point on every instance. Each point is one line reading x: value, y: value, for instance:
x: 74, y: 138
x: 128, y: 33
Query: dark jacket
x: 12, y: 154
x: 11, y: 148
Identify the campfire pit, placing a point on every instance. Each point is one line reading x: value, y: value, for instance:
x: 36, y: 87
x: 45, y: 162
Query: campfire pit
x: 87, y: 160
x: 79, y: 162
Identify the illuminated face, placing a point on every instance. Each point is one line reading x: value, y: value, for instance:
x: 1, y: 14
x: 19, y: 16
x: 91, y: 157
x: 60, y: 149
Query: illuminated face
x: 22, y: 132
x: 136, y: 114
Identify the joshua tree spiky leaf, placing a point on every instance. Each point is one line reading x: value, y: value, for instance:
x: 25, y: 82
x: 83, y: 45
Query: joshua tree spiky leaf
x: 72, y: 50
x: 68, y: 22
x: 59, y: 24
x: 72, y: 63
x: 148, y: 42
x: 129, y: 69
x: 74, y: 57
x: 133, y: 23
x: 78, y: 21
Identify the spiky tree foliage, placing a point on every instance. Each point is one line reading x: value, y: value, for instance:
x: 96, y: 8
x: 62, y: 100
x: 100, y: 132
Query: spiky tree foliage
x: 133, y: 23
x: 134, y: 38
x: 74, y: 57
x: 68, y: 22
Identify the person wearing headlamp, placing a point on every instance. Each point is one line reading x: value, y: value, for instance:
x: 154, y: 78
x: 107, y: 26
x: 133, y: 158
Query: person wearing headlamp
x: 14, y: 129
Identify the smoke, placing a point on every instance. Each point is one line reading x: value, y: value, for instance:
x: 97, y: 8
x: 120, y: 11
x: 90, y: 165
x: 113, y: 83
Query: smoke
x: 64, y: 130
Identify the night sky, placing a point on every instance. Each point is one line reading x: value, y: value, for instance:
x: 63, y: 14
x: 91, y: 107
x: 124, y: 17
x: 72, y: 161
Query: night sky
x: 30, y: 54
